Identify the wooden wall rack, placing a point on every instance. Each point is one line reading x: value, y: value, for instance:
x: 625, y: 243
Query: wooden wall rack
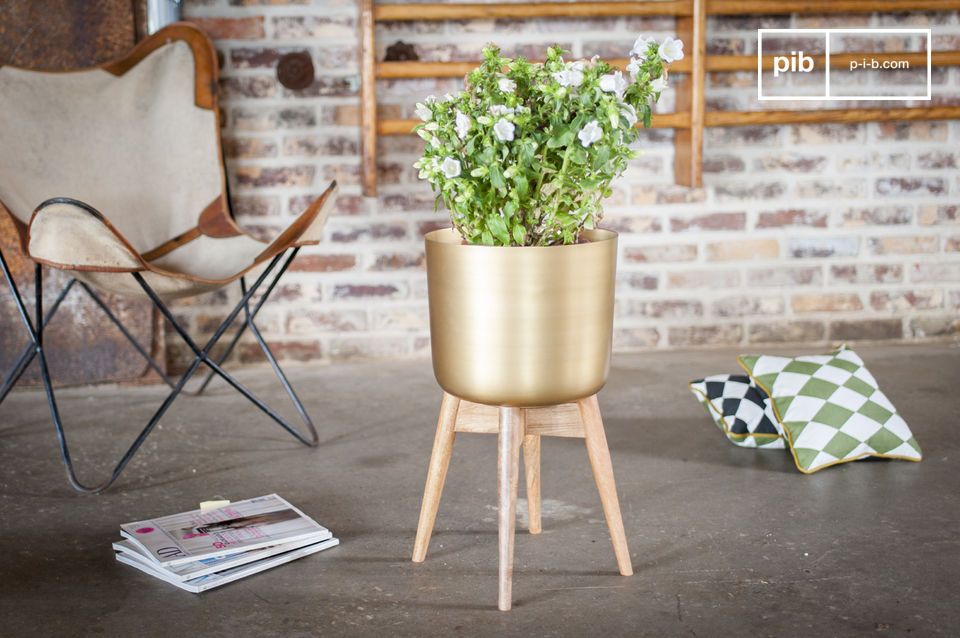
x: 690, y: 117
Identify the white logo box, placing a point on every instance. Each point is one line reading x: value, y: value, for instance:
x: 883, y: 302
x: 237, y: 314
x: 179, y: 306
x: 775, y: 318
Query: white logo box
x: 795, y: 64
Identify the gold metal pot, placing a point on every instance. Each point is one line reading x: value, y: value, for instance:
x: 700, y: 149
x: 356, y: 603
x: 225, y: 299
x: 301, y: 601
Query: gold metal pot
x: 524, y: 327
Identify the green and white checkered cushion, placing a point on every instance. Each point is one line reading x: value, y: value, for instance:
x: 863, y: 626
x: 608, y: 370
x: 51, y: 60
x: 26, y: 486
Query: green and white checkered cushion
x: 831, y: 409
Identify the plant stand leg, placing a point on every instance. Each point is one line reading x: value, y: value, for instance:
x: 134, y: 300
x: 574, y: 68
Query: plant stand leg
x: 508, y: 474
x: 436, y: 474
x: 531, y: 466
x: 599, y: 455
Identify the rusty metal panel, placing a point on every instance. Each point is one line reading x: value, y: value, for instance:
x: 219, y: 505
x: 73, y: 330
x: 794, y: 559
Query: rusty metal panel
x: 82, y: 345
x: 65, y: 34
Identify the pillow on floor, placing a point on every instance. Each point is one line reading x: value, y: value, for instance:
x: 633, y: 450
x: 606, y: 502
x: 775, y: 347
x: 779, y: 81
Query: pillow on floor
x: 831, y: 409
x: 740, y: 409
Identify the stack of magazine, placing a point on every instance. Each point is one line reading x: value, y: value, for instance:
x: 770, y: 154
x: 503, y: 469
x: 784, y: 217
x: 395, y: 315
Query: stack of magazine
x: 200, y: 550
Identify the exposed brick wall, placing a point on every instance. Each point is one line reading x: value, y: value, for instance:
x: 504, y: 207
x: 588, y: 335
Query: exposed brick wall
x: 801, y: 233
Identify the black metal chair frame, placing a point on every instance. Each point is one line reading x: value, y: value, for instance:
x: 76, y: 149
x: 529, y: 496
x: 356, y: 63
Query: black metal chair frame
x: 35, y: 350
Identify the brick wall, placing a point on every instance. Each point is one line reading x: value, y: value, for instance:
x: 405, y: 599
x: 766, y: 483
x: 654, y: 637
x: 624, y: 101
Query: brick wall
x: 801, y: 233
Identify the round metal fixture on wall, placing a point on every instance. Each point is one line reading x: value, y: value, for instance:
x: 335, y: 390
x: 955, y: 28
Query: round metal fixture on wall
x: 295, y: 70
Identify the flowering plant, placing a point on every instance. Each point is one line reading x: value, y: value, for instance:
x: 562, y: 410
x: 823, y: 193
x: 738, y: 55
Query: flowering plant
x: 525, y: 153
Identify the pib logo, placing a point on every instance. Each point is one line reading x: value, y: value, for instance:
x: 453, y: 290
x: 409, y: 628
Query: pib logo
x: 796, y: 62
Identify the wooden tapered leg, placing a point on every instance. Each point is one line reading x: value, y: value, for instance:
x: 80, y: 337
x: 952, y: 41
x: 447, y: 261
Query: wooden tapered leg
x: 531, y: 466
x: 508, y: 475
x: 436, y: 474
x: 599, y: 455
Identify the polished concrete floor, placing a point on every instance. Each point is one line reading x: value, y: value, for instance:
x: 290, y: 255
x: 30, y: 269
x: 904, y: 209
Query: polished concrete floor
x: 725, y: 541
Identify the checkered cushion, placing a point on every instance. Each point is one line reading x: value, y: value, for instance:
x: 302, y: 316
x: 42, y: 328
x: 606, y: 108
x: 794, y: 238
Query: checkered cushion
x: 740, y: 409
x: 831, y: 409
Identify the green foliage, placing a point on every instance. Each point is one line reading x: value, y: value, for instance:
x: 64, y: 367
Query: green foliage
x: 524, y: 155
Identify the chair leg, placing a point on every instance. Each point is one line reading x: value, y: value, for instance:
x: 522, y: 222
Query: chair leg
x: 126, y: 333
x: 508, y: 474
x: 250, y: 316
x: 30, y: 352
x: 599, y: 454
x: 436, y: 474
x: 202, y: 356
x: 531, y: 467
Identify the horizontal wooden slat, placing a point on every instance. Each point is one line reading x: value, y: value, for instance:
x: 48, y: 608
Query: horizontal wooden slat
x: 460, y: 69
x: 458, y: 11
x: 745, y: 118
x: 723, y: 63
x: 717, y: 63
x: 424, y: 69
x: 557, y: 420
x: 405, y: 127
x: 811, y: 7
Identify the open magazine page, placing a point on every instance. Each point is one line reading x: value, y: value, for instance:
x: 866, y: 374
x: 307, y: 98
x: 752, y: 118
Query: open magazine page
x: 238, y: 527
x: 210, y: 581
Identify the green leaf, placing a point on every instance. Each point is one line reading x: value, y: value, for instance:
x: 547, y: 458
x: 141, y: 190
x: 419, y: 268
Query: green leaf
x: 522, y: 185
x: 519, y: 234
x: 562, y: 138
x: 498, y: 227
x: 496, y: 177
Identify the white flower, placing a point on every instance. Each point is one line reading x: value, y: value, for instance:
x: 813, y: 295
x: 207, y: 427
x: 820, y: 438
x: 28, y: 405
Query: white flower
x: 641, y: 46
x: 507, y: 85
x: 464, y: 123
x: 435, y: 142
x: 424, y: 112
x: 450, y: 168
x: 670, y: 50
x: 503, y: 130
x: 634, y: 68
x: 569, y: 77
x: 613, y: 83
x: 500, y: 109
x: 630, y: 113
x: 590, y: 133
x: 659, y: 84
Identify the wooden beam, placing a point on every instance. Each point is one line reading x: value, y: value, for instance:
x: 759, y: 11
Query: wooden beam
x: 464, y: 11
x: 812, y: 7
x: 715, y: 63
x: 723, y: 63
x: 663, y: 120
x: 394, y: 70
x: 751, y: 118
x: 823, y: 116
x: 556, y: 420
x: 688, y: 142
x: 368, y: 99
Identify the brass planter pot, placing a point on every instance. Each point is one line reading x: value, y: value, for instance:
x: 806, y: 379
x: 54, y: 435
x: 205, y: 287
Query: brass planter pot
x: 525, y: 326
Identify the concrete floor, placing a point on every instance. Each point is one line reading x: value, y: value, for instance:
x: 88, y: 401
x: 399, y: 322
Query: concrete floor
x: 725, y: 541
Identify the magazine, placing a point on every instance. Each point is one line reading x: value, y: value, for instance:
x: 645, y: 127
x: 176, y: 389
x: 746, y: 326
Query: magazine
x: 243, y: 526
x: 209, y: 581
x: 205, y: 566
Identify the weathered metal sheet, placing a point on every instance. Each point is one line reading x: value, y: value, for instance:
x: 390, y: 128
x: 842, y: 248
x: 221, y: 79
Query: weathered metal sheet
x: 82, y: 345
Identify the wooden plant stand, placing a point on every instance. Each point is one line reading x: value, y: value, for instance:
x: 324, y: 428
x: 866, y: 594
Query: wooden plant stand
x: 513, y: 426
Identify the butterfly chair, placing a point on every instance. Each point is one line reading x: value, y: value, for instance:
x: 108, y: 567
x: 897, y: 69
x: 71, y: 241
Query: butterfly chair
x: 115, y: 175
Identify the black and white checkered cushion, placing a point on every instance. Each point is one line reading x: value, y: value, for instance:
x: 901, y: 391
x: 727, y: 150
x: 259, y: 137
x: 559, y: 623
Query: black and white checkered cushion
x: 740, y: 409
